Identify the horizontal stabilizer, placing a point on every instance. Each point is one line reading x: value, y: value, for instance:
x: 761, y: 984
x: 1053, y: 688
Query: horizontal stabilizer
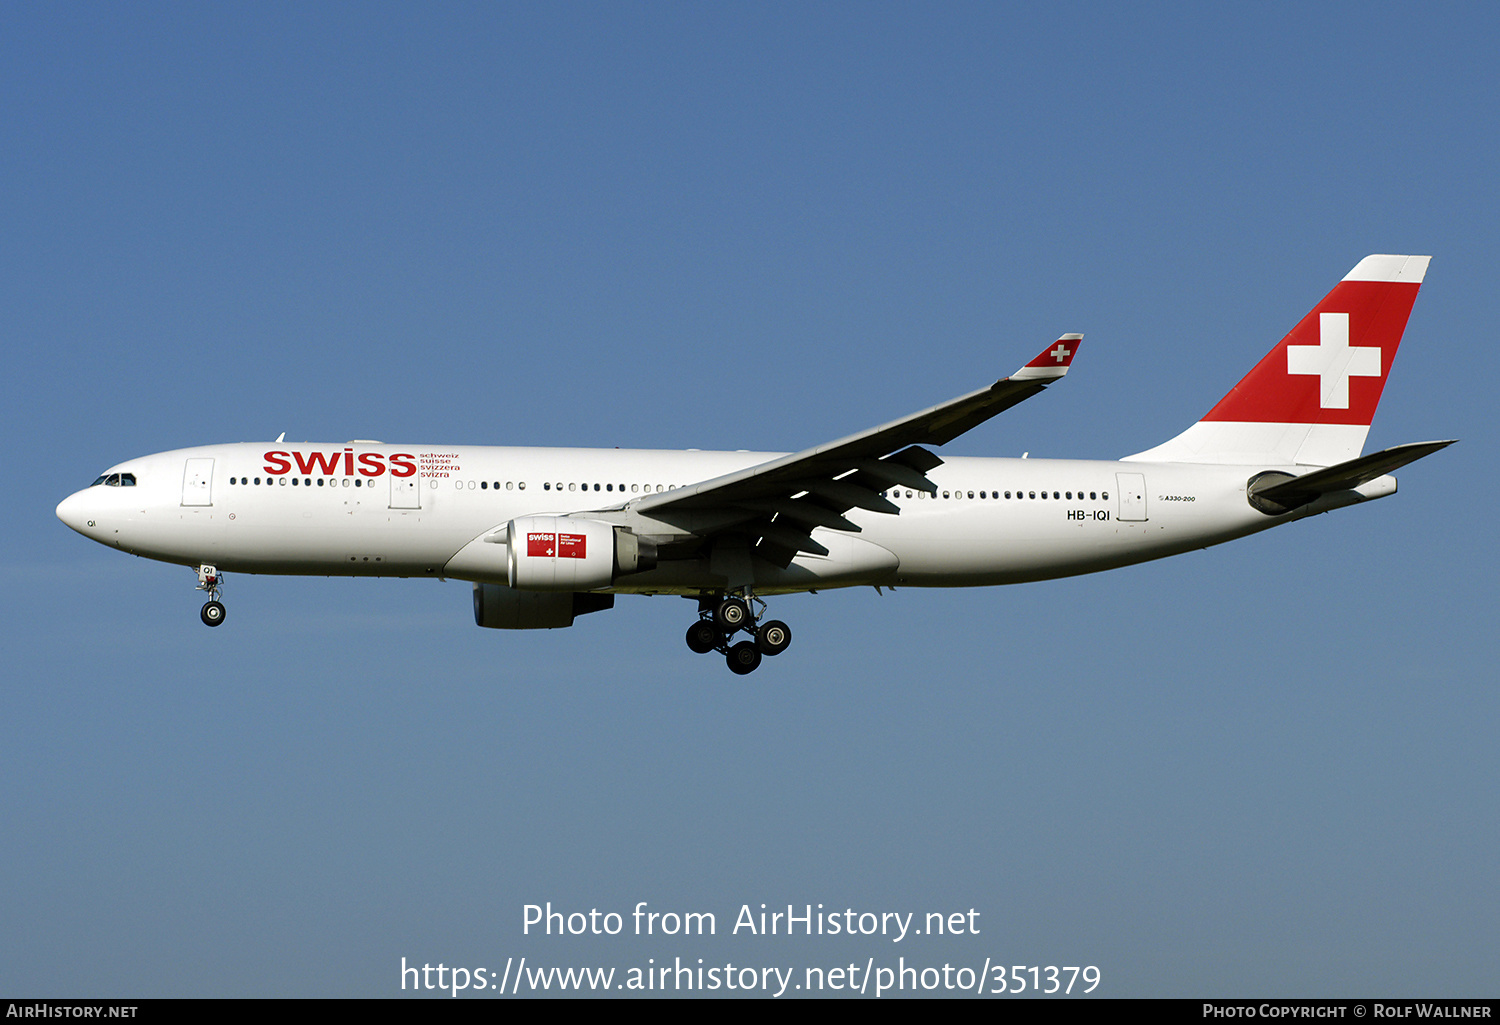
x: 1278, y: 493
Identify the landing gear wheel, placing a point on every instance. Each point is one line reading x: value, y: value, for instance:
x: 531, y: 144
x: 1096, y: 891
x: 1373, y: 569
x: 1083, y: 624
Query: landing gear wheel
x: 773, y: 637
x: 732, y: 614
x: 704, y: 637
x: 743, y: 658
x: 212, y: 614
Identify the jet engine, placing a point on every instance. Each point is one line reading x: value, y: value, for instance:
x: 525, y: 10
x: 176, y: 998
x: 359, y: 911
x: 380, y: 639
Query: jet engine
x: 502, y: 608
x: 560, y: 553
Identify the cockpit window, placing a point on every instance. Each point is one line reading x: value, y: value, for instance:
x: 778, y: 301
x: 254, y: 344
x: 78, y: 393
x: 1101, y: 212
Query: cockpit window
x: 100, y: 480
x: 115, y: 480
x: 127, y: 480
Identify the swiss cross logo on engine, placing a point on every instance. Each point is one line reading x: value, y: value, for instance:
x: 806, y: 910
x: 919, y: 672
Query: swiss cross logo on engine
x: 563, y: 546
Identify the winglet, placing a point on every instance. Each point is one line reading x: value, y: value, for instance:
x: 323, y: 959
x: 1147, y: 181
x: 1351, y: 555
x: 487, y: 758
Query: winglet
x: 1052, y: 363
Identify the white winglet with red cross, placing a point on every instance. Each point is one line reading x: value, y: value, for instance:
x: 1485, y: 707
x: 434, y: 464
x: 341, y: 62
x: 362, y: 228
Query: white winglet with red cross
x: 1053, y: 361
x: 1311, y: 400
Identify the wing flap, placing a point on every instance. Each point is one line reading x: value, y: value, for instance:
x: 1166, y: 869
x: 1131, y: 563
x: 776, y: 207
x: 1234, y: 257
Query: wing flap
x: 887, y: 473
x: 843, y: 493
x: 804, y: 511
x: 792, y: 538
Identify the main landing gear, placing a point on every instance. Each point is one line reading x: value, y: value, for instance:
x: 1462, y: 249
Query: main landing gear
x: 209, y: 580
x: 721, y: 617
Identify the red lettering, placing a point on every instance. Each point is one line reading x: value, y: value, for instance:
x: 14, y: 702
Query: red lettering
x: 403, y: 460
x: 327, y: 464
x: 277, y: 463
x: 370, y: 464
x: 348, y: 462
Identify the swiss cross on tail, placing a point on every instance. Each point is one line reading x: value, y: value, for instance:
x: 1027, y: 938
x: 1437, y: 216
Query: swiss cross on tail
x: 1333, y: 361
x: 1331, y: 367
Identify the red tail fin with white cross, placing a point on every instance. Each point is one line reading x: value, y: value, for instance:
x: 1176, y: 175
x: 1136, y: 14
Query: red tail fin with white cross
x: 1310, y: 401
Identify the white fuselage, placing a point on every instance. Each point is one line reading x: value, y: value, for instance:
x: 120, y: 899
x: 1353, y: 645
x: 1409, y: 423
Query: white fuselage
x: 364, y: 509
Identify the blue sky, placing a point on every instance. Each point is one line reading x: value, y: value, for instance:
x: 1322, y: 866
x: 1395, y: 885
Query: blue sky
x: 1264, y: 768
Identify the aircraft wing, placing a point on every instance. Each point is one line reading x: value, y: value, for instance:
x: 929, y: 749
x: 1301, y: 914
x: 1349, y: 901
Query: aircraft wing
x: 782, y: 500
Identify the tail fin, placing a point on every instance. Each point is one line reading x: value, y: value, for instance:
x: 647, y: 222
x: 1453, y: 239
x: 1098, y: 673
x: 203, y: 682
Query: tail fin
x: 1310, y: 401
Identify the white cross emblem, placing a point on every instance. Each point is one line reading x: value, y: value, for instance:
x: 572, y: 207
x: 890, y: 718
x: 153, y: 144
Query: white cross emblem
x: 1059, y: 353
x: 1333, y: 360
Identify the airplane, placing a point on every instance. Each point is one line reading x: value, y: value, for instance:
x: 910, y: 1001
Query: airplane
x: 549, y: 534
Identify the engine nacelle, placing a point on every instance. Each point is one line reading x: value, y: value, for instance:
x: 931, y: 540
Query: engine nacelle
x: 560, y: 553
x: 502, y: 608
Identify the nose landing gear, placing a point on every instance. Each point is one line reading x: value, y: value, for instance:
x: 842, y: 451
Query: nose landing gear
x: 209, y: 580
x: 721, y: 617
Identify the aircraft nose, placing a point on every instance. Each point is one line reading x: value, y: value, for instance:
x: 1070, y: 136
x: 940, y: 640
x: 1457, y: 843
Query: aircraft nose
x: 74, y: 511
